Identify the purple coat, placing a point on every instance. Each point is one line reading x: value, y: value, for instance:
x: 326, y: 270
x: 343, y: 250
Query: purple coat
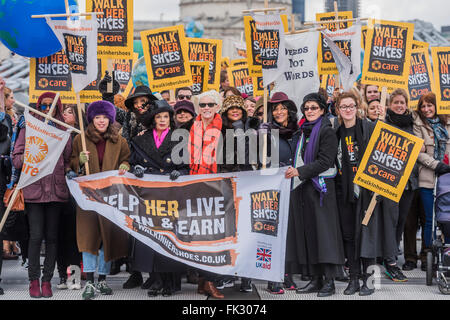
x: 51, y: 188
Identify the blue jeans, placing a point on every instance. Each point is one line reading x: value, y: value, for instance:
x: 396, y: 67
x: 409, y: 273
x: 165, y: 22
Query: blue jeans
x: 91, y: 261
x: 428, y: 203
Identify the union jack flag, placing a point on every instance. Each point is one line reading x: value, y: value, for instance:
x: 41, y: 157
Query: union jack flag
x: 264, y: 255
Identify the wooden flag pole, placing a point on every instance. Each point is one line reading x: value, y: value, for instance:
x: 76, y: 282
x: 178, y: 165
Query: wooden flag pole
x: 20, y: 104
x: 373, y: 202
x: 8, y: 209
x: 83, y: 137
x: 49, y: 114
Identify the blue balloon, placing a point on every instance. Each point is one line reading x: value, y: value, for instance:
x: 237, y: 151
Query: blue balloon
x: 26, y: 36
x: 194, y: 29
x: 139, y: 74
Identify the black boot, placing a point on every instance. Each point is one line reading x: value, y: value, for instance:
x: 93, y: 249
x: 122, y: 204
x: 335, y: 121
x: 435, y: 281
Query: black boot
x: 328, y: 289
x: 353, y: 286
x: 364, y: 290
x: 312, y: 287
x: 134, y: 281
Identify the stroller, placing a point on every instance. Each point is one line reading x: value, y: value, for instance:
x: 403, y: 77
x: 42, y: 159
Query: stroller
x: 438, y: 259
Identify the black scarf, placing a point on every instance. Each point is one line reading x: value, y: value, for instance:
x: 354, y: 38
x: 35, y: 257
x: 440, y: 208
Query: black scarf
x: 285, y: 132
x: 347, y: 173
x: 400, y: 120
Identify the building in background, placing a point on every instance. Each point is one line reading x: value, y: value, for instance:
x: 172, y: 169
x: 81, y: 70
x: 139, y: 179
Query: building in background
x: 426, y: 32
x: 445, y: 30
x: 298, y: 8
x: 344, y: 5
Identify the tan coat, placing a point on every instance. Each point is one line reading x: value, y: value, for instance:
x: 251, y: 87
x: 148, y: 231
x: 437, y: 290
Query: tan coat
x: 427, y: 163
x: 92, y: 229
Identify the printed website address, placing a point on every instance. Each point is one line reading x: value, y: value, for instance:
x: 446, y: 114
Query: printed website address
x: 377, y: 79
x: 371, y: 184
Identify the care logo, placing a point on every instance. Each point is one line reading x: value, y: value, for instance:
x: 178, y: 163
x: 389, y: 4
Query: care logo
x: 43, y: 83
x: 35, y: 150
x: 265, y: 212
x: 446, y: 93
x: 264, y: 258
x: 376, y: 65
x: 373, y: 169
x: 328, y: 56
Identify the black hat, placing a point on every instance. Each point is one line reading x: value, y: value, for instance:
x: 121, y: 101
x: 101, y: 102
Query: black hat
x: 317, y: 98
x: 140, y: 91
x: 185, y: 105
x: 147, y: 118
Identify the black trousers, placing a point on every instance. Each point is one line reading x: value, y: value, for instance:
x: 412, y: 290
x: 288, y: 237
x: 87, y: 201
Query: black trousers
x: 347, y: 216
x: 415, y: 219
x: 68, y: 253
x: 44, y: 223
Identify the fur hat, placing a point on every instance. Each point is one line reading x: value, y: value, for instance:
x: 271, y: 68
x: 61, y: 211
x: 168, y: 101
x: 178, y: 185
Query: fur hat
x: 233, y: 101
x: 101, y: 107
x: 317, y: 98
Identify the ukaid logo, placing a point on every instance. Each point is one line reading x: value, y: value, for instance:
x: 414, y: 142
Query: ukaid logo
x: 265, y: 212
x: 263, y: 258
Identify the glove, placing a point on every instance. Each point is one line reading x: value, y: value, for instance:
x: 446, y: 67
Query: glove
x: 103, y: 85
x: 442, y: 168
x: 71, y: 175
x: 84, y: 157
x: 123, y: 166
x: 138, y: 171
x: 174, y: 175
x: 238, y: 125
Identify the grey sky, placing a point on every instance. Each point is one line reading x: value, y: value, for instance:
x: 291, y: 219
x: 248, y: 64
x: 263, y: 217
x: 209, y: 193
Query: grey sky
x: 434, y: 11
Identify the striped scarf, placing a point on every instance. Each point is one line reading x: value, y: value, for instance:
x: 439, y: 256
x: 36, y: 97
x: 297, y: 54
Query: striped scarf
x: 203, y: 145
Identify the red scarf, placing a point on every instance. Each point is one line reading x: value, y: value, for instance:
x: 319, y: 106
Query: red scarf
x: 203, y: 145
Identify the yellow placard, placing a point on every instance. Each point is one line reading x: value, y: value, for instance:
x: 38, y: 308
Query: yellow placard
x: 388, y: 54
x: 388, y: 161
x: 238, y: 62
x: 122, y: 67
x: 53, y: 74
x: 325, y: 58
x: 200, y: 75
x: 166, y: 58
x: 210, y: 50
x: 241, y: 79
x: 421, y: 79
x: 225, y: 64
x: 115, y: 27
x: 258, y: 86
x: 363, y: 37
x: 252, y: 43
x: 441, y: 62
x: 328, y: 83
x: 419, y: 44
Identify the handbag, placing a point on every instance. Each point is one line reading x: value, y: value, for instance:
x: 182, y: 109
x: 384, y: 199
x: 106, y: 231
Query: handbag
x: 19, y: 203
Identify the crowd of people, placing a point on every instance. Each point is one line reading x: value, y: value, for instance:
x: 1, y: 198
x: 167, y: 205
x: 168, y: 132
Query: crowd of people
x: 322, y: 150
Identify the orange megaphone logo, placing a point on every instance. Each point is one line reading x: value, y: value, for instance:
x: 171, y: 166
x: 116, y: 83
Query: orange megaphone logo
x: 35, y: 150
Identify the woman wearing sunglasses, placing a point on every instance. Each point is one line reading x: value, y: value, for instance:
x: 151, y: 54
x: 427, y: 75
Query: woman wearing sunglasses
x: 204, y: 141
x: 315, y: 233
x: 362, y: 244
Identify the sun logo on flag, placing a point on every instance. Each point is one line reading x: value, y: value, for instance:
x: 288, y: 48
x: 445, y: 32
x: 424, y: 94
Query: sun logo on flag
x: 35, y: 150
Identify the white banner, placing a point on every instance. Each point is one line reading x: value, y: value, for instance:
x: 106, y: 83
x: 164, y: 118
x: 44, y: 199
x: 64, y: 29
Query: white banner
x: 232, y: 224
x: 301, y: 76
x: 272, y: 45
x: 43, y: 147
x: 79, y: 41
x: 348, y: 60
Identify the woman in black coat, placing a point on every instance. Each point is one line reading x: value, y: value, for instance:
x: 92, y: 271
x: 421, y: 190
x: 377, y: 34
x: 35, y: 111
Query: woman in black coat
x: 151, y: 153
x: 363, y: 244
x: 318, y: 240
x: 282, y: 116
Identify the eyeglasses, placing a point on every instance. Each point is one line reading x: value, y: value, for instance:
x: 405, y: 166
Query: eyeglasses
x: 209, y: 104
x: 315, y: 108
x: 182, y: 97
x: 348, y: 108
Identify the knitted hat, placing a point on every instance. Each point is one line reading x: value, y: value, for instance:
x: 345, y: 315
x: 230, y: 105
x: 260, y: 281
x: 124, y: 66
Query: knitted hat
x: 185, y: 105
x: 317, y: 98
x: 232, y: 101
x: 59, y: 105
x: 101, y: 108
